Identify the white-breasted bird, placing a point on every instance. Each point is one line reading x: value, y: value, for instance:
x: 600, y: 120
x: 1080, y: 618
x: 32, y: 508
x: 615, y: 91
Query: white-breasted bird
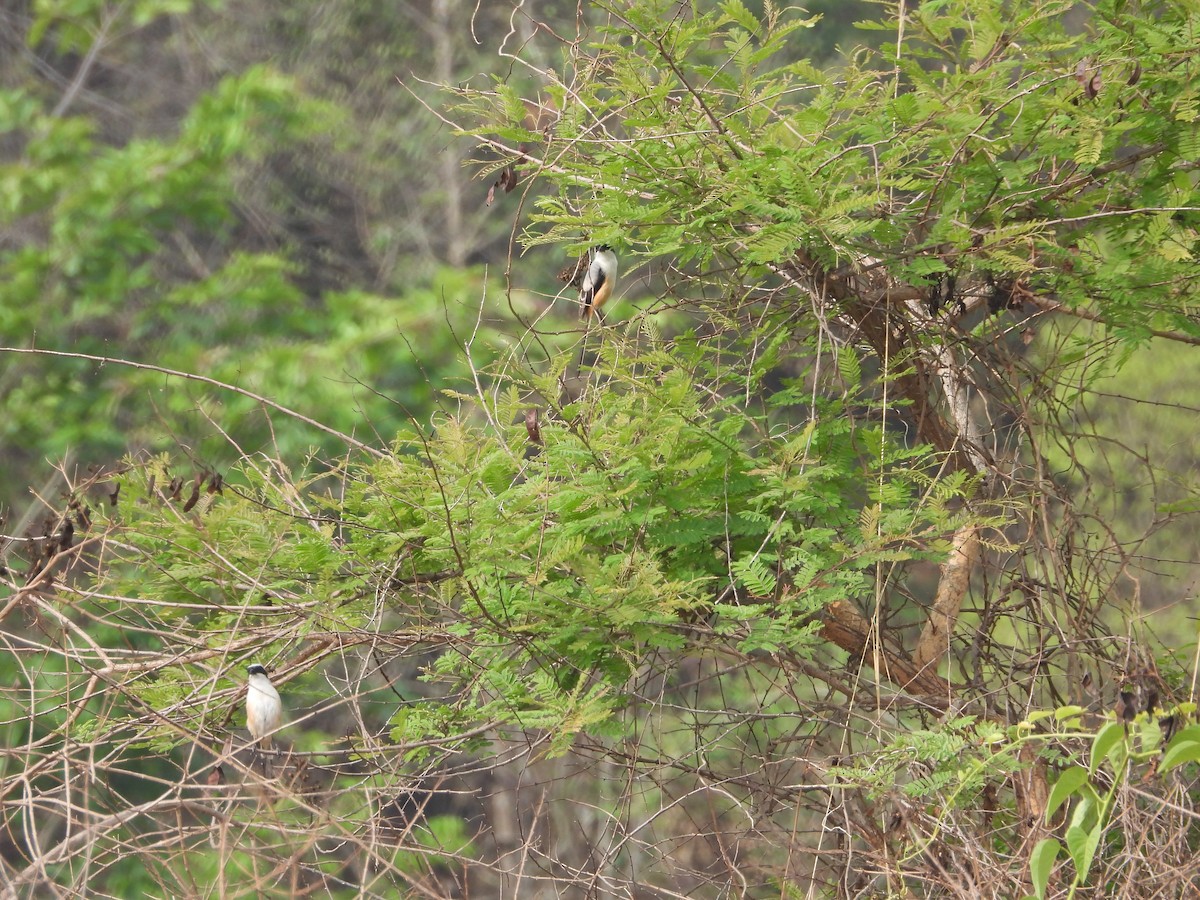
x: 598, y: 280
x: 264, y: 709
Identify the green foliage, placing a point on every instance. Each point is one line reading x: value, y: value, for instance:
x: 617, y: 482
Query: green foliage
x: 567, y: 568
x: 74, y: 26
x: 102, y: 217
x: 137, y: 251
x: 1041, y: 864
x: 906, y: 168
x: 626, y: 546
x: 956, y: 760
x: 555, y: 575
x: 964, y: 756
x: 1184, y: 748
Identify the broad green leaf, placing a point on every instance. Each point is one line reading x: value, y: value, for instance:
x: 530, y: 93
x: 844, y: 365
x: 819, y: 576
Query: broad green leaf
x: 1184, y: 747
x: 1068, y: 712
x: 1107, y: 739
x: 1041, y: 864
x: 1068, y: 783
x: 1082, y: 844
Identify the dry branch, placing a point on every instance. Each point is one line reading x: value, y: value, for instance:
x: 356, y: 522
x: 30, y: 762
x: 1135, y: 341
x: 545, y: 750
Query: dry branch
x: 844, y: 626
x: 956, y: 578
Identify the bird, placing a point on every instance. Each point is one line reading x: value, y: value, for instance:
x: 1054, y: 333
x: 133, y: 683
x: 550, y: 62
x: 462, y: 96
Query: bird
x: 264, y: 709
x: 598, y: 281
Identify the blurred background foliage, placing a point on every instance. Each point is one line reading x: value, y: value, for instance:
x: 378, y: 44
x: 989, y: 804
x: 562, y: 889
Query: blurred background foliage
x: 255, y: 192
x: 242, y: 190
x: 264, y: 193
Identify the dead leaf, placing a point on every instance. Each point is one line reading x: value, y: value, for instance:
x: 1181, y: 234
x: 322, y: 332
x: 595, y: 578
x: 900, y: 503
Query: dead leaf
x: 531, y: 426
x: 572, y: 273
x: 508, y: 179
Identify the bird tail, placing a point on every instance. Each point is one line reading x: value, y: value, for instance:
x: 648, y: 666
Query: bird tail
x: 265, y: 756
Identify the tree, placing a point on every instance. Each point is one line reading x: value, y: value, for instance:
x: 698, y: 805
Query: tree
x: 768, y: 588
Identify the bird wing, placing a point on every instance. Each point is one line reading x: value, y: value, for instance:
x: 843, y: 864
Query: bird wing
x: 593, y: 284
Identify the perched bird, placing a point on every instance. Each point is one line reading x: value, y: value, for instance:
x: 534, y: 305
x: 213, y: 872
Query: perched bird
x: 598, y: 281
x: 264, y: 709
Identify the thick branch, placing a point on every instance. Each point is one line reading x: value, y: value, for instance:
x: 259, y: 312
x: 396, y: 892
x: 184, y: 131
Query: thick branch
x: 956, y: 577
x: 844, y: 626
x: 888, y: 334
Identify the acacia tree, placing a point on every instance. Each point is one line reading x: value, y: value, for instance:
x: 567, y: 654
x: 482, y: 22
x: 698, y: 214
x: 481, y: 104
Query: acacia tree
x: 774, y: 583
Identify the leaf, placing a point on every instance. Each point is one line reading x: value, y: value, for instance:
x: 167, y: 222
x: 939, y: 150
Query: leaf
x: 1085, y: 812
x: 1038, y: 716
x: 1068, y: 712
x: 1184, y: 747
x: 1189, y: 142
x: 1041, y: 864
x: 1082, y: 844
x: 737, y: 11
x: 849, y: 368
x: 1068, y: 783
x: 1087, y: 152
x: 1106, y: 739
x: 754, y: 573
